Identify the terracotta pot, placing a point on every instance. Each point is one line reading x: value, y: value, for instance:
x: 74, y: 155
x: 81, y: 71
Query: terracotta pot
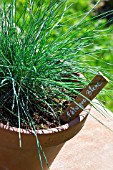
x: 12, y: 157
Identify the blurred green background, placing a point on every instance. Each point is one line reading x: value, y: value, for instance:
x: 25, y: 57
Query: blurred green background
x: 79, y: 8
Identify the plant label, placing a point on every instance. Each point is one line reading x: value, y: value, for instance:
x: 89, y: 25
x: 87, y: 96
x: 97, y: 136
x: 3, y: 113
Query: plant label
x: 84, y: 98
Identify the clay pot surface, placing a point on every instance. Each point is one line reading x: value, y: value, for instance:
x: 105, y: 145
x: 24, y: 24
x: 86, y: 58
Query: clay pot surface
x: 14, y: 157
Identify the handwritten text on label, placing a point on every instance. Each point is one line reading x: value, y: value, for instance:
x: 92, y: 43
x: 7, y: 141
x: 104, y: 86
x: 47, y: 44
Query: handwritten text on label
x: 89, y: 92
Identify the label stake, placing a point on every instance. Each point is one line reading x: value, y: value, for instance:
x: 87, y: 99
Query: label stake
x: 84, y: 98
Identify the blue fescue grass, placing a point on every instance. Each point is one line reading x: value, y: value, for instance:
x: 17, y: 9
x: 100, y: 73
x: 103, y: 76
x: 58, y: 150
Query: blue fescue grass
x: 37, y: 66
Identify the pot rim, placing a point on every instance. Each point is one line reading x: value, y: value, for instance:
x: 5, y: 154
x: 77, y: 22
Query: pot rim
x: 60, y: 128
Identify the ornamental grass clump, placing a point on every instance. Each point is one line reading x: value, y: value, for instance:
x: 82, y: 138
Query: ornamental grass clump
x: 40, y: 63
